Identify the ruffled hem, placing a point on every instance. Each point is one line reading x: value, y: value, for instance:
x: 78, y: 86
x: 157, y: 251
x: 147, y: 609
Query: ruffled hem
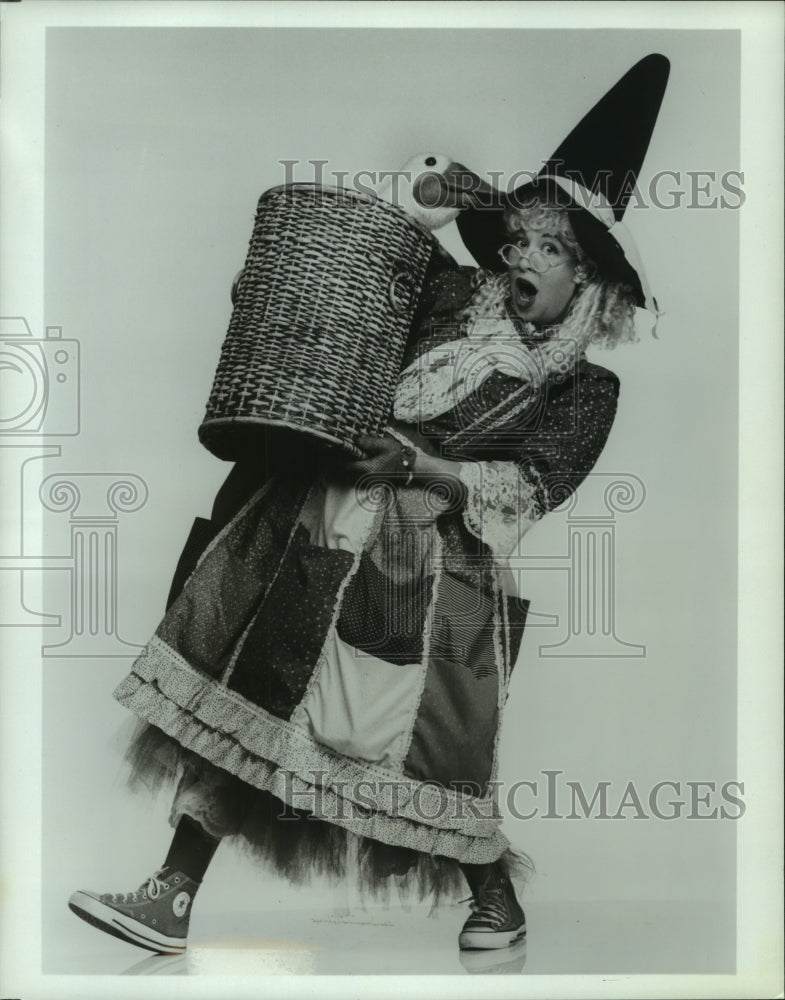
x: 272, y: 755
x: 292, y: 842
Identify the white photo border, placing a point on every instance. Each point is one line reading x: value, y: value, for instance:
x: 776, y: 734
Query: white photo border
x: 760, y: 582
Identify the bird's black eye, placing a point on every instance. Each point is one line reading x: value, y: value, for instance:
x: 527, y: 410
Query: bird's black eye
x: 430, y: 161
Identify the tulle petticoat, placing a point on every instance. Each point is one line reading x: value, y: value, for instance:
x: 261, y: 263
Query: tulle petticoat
x: 293, y: 843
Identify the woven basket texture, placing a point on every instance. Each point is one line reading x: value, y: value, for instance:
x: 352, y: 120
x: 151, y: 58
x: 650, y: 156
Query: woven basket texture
x: 322, y: 311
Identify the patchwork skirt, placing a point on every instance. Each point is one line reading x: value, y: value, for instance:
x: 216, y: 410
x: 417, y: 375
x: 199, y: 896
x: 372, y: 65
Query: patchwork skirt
x: 331, y: 678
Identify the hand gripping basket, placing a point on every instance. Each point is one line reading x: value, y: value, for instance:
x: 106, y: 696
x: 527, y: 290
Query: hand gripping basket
x: 321, y: 316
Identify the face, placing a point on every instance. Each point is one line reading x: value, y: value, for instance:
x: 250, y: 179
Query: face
x: 541, y: 298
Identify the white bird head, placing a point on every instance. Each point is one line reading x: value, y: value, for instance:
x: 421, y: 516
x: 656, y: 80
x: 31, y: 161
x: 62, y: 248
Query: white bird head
x: 432, y: 188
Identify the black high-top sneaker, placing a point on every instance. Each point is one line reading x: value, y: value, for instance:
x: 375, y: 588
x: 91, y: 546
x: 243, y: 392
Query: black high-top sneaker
x: 154, y: 916
x: 497, y: 919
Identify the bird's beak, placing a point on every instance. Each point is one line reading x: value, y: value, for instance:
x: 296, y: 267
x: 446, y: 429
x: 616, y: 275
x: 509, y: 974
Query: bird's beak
x: 466, y: 190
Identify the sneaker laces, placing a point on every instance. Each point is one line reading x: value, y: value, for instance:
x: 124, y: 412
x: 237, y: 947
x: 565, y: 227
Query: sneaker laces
x: 155, y: 884
x: 150, y: 888
x: 491, y: 904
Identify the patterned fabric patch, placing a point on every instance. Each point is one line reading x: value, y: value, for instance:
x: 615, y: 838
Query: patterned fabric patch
x: 463, y: 626
x: 222, y: 595
x: 383, y: 617
x: 202, y: 533
x: 516, y: 611
x: 454, y: 732
x: 276, y: 660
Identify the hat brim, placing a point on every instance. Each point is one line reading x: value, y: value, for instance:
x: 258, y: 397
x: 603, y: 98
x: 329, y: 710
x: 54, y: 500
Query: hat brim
x: 483, y: 232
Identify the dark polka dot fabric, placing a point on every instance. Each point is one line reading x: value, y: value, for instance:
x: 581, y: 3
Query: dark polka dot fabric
x: 283, y: 643
x: 384, y: 613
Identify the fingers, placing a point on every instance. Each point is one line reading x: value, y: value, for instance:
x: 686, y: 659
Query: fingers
x: 359, y: 464
x: 361, y: 468
x: 381, y: 454
x: 375, y: 445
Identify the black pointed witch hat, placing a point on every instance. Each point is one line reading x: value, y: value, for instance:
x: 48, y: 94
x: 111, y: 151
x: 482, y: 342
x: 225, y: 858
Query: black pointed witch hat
x: 593, y: 175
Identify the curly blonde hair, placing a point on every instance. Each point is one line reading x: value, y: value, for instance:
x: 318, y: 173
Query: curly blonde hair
x: 603, y: 311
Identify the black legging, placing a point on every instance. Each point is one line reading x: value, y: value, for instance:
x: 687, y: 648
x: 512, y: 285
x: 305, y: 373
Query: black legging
x: 192, y: 850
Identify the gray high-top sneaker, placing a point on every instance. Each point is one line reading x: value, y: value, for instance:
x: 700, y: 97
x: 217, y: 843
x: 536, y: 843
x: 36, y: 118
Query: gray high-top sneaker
x: 497, y: 919
x: 154, y: 916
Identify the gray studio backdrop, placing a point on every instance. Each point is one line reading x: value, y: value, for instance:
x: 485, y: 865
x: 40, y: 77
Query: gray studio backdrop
x: 158, y: 144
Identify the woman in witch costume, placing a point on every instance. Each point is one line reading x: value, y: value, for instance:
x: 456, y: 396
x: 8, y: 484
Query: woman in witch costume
x: 329, y: 678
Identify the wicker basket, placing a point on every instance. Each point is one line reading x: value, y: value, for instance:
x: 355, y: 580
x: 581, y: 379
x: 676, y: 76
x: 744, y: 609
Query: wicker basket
x: 323, y: 308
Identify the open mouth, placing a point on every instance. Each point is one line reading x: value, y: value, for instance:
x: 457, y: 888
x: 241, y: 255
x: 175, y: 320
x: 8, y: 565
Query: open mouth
x: 524, y: 293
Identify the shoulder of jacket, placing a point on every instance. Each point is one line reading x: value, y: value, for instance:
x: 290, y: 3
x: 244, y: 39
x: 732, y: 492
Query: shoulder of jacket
x: 448, y: 287
x: 590, y: 372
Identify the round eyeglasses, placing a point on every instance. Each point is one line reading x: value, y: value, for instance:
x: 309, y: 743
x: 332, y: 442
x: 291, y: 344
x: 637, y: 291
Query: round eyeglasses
x: 513, y: 253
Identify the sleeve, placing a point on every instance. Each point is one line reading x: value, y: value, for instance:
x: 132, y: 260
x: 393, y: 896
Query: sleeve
x: 557, y: 449
x: 500, y: 504
x: 446, y: 290
x: 563, y: 447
